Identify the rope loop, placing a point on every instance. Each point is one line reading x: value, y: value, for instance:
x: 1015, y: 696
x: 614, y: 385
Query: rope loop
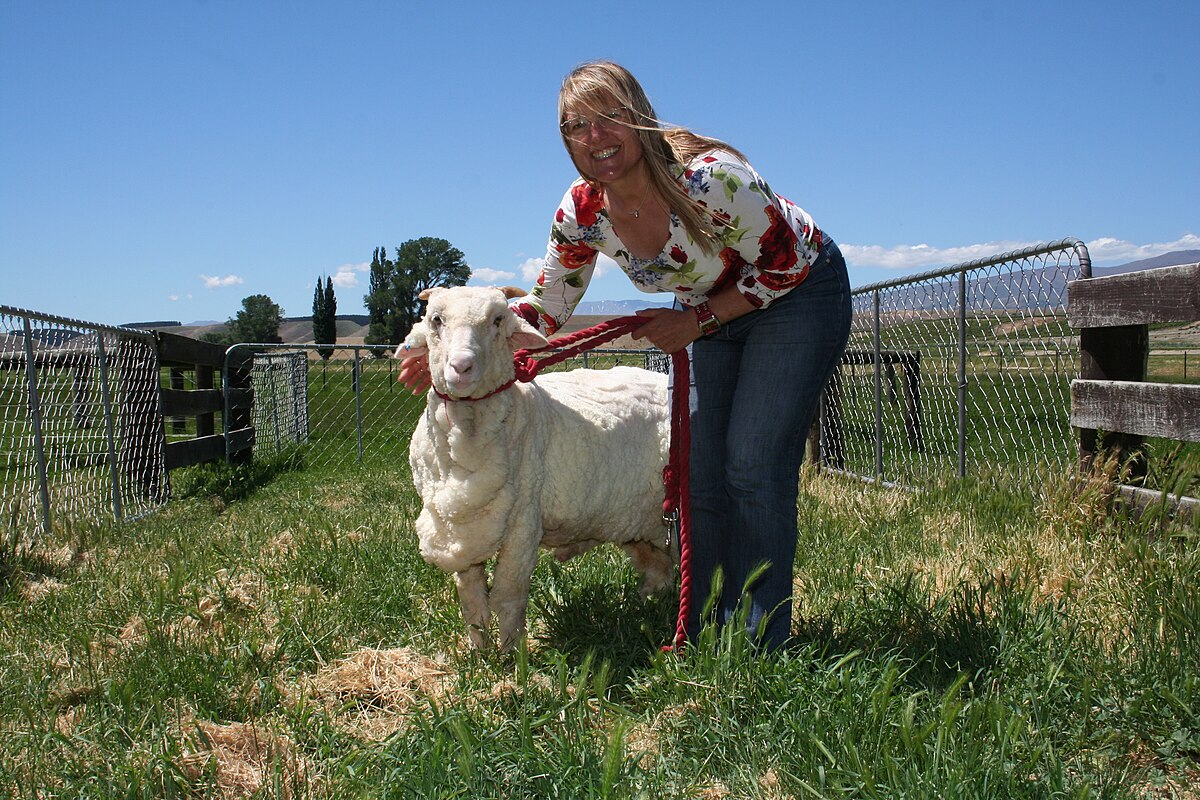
x: 676, y: 480
x: 528, y: 365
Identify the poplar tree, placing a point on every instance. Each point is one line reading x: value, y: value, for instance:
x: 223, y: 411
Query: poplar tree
x: 324, y: 318
x: 393, y: 301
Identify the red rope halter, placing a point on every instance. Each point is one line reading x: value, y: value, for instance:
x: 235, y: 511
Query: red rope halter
x: 676, y: 480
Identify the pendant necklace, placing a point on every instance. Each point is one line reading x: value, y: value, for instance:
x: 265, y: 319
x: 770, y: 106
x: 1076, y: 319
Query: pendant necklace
x: 637, y: 212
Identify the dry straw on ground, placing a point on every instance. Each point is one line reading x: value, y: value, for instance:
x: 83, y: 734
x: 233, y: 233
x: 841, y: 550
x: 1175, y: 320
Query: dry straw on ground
x: 241, y: 758
x: 375, y: 691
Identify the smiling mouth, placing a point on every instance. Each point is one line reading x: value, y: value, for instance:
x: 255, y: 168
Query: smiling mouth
x: 600, y: 155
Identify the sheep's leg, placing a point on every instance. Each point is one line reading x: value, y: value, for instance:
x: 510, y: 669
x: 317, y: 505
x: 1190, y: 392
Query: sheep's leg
x: 473, y: 599
x: 655, y: 565
x: 510, y: 591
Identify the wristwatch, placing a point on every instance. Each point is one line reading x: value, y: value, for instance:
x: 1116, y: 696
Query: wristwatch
x: 709, y: 323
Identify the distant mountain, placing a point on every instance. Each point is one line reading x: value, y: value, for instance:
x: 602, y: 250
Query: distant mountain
x: 152, y: 325
x: 1042, y: 289
x: 1171, y: 259
x: 357, y: 319
x: 618, y: 308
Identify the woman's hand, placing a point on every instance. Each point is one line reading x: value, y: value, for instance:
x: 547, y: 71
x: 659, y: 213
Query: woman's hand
x: 667, y: 329
x: 414, y: 368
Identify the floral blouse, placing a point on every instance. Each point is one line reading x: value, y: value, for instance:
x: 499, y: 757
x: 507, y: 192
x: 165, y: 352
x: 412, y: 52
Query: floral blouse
x: 766, y: 244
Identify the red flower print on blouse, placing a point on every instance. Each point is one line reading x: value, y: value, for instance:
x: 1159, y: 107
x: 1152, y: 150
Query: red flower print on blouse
x: 588, y: 203
x: 777, y: 246
x: 734, y: 263
x: 527, y: 312
x: 574, y: 256
x: 678, y: 256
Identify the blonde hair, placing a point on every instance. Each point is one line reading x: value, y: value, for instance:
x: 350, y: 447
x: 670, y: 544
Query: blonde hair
x: 665, y: 149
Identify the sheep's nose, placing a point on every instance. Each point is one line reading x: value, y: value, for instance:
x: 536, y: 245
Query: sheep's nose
x: 461, y: 363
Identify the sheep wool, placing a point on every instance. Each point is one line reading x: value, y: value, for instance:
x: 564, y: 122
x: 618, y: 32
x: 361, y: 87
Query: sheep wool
x: 567, y: 461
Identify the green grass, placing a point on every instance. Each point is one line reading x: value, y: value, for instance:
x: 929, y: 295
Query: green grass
x: 276, y: 628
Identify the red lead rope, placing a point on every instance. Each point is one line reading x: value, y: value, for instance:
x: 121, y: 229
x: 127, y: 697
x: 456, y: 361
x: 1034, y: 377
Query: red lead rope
x: 675, y: 475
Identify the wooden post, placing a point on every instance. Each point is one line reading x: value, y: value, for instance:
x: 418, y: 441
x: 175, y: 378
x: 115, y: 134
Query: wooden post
x: 140, y: 425
x: 912, y: 401
x: 1117, y: 353
x: 178, y: 422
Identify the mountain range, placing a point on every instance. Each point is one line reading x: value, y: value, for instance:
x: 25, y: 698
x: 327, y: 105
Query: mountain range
x: 998, y: 291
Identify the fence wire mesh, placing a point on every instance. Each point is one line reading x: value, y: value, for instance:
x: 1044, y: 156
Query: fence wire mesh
x: 81, y: 433
x: 350, y: 410
x: 962, y: 371
x: 280, y: 412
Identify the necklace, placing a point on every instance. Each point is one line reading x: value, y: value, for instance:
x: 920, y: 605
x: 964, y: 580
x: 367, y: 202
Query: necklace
x: 637, y: 212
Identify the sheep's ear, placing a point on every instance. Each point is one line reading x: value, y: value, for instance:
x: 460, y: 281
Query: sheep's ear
x: 415, y: 338
x: 430, y: 292
x: 525, y: 337
x: 511, y: 292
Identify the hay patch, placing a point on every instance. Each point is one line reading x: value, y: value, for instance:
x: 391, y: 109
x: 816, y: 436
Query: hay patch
x: 241, y: 758
x: 374, y: 692
x: 35, y: 587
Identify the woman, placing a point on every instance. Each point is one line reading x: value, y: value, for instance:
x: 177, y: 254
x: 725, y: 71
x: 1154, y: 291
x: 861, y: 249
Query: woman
x: 765, y: 307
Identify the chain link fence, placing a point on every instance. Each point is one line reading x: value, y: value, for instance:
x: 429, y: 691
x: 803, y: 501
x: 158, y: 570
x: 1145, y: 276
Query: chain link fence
x: 81, y: 432
x: 349, y: 410
x: 961, y: 371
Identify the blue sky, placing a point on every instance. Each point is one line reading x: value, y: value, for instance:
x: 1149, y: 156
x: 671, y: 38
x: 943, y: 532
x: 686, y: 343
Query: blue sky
x: 165, y: 159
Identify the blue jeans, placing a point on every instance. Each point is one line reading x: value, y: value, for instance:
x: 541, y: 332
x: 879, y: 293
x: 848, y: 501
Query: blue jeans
x: 756, y: 383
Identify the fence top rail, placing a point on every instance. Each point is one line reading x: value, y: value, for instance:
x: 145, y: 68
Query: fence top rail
x: 390, y: 348
x: 306, y: 346
x: 1085, y: 264
x: 11, y: 311
x: 1166, y: 294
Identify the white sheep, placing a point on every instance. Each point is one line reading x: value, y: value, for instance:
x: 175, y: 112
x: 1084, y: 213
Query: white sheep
x: 567, y: 461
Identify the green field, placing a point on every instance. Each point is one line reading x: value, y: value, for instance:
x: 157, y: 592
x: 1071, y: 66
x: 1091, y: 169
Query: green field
x: 274, y: 633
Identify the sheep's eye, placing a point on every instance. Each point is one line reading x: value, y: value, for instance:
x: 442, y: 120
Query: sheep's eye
x: 498, y: 320
x: 436, y: 321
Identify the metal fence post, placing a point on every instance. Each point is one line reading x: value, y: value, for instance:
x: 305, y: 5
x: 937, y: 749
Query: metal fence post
x: 35, y: 413
x: 110, y: 428
x: 358, y: 403
x: 877, y: 359
x: 272, y: 369
x: 962, y: 374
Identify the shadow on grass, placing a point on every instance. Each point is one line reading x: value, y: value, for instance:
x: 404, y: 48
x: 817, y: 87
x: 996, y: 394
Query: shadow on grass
x: 229, y: 482
x: 990, y: 631
x: 581, y: 613
x: 975, y: 629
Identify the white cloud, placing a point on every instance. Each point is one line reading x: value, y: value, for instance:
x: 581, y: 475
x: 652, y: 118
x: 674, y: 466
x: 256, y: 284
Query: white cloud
x: 603, y: 265
x: 211, y: 282
x: 530, y: 268
x: 1110, y: 250
x: 491, y: 277
x: 173, y: 298
x: 918, y: 256
x: 345, y: 276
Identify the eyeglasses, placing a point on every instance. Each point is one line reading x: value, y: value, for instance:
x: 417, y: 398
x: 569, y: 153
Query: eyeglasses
x: 578, y: 127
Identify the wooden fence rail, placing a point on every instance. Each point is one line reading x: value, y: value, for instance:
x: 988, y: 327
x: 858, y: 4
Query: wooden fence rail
x: 209, y: 397
x: 1113, y: 315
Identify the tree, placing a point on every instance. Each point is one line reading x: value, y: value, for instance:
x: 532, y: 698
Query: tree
x: 258, y: 321
x: 324, y: 319
x: 393, y: 300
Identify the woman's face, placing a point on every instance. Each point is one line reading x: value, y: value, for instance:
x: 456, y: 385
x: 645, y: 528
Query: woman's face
x: 600, y: 141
